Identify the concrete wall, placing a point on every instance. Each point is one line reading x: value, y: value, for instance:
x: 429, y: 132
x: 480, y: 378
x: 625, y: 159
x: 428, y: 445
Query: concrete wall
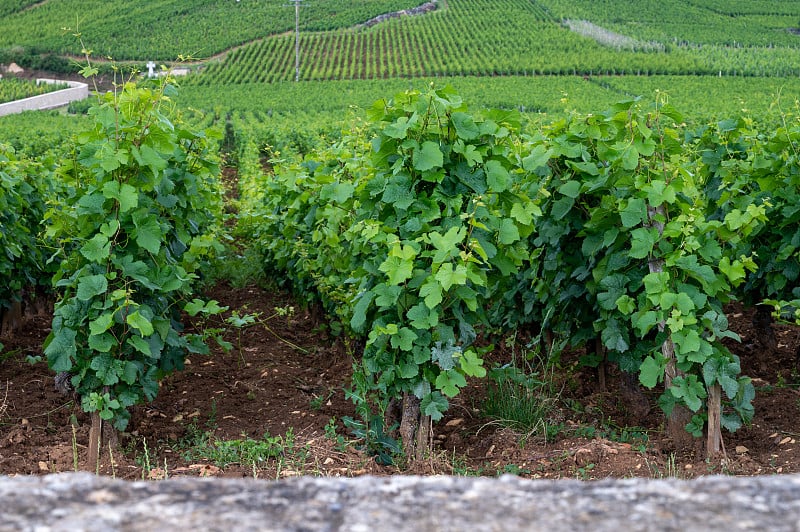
x: 72, y: 501
x: 51, y: 100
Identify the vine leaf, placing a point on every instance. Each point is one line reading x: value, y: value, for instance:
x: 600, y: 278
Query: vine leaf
x: 465, y: 126
x: 60, y: 350
x: 434, y: 405
x: 497, y: 177
x: 140, y: 323
x: 449, y: 276
x: 428, y: 156
x: 148, y: 231
x: 445, y: 357
x: 634, y: 213
x: 90, y: 286
x: 97, y: 248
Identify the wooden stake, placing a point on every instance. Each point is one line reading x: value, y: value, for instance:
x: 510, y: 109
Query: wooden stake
x: 95, y: 437
x: 714, y: 430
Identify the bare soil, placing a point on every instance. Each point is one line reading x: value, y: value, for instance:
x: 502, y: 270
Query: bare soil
x: 284, y: 380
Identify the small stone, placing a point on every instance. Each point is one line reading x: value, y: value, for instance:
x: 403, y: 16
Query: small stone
x: 43, y: 467
x: 454, y: 422
x: 741, y: 449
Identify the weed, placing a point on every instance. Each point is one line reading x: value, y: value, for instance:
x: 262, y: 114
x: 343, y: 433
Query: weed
x: 584, y: 473
x: 199, y: 444
x: 4, y: 402
x: 240, y: 321
x: 370, y: 428
x: 318, y: 400
x: 240, y: 269
x: 340, y: 443
x: 514, y: 469
x: 287, y: 311
x: 670, y: 468
x: 74, y: 448
x: 145, y: 461
x: 111, y: 460
x: 519, y: 400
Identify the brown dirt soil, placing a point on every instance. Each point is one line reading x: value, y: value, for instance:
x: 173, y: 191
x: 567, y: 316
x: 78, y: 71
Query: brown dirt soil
x: 283, y: 382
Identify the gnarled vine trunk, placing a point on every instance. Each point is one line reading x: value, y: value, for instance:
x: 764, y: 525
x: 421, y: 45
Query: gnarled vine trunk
x: 680, y: 415
x: 415, y: 429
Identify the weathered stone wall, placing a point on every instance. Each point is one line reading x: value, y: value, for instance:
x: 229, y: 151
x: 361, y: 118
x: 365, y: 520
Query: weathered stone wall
x: 84, y: 502
x: 76, y: 91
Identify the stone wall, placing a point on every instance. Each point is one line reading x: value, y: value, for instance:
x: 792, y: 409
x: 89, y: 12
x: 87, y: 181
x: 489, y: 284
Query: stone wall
x: 51, y: 100
x: 80, y: 501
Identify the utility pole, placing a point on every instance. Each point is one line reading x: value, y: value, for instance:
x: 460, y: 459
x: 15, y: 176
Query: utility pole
x: 296, y: 4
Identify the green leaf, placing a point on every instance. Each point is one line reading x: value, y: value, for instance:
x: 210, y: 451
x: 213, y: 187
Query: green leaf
x: 659, y: 192
x: 399, y: 194
x: 60, y: 349
x: 447, y: 245
x: 387, y: 295
x: 521, y: 214
x: 497, y: 177
x: 733, y: 271
x: 613, y: 337
x: 508, y: 232
x: 537, y: 158
x: 397, y: 269
x: 656, y: 283
x: 404, y: 339
x: 194, y: 307
x: 449, y: 382
x: 630, y: 158
x: 434, y: 405
x: 642, y: 241
x: 445, y: 357
x: 449, y: 276
x: 422, y: 317
x: 399, y: 128
x: 690, y: 390
x: 124, y: 194
x: 105, y: 368
x: 571, y: 189
x: 148, y: 156
x: 686, y: 341
x: 140, y: 323
x: 634, y: 213
x: 625, y: 304
x: 139, y: 344
x: 130, y: 373
x: 101, y: 324
x: 432, y: 292
x: 428, y: 157
x: 97, y: 249
x: 148, y: 231
x: 645, y: 322
x: 102, y: 343
x: 615, y: 287
x: 465, y: 126
x: 472, y: 364
x: 408, y: 370
x: 359, y: 319
x: 90, y: 286
x: 651, y: 371
x: 561, y: 207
